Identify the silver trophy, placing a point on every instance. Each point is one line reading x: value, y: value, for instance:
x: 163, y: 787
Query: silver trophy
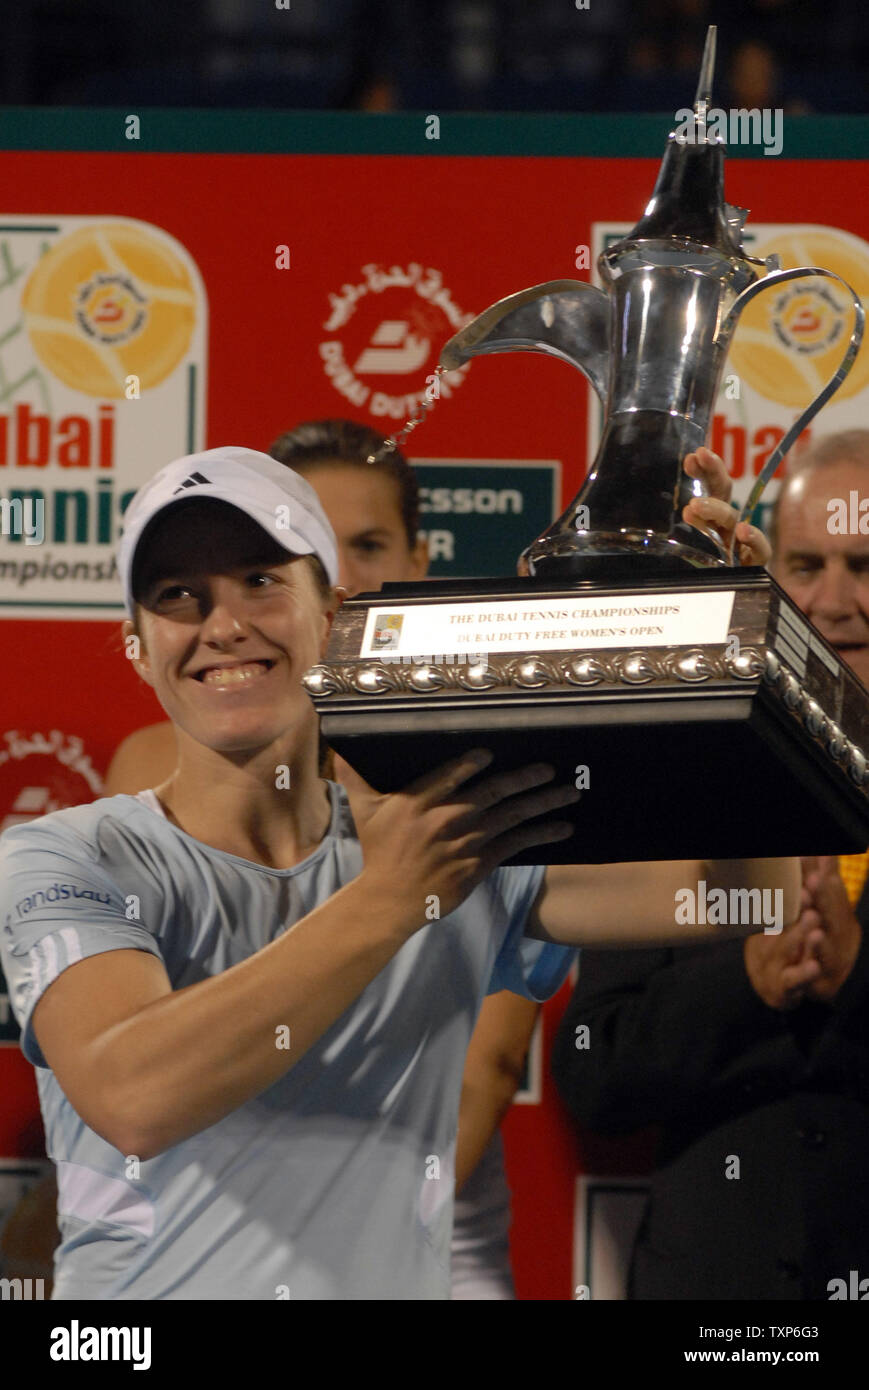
x: 653, y: 345
x: 630, y: 644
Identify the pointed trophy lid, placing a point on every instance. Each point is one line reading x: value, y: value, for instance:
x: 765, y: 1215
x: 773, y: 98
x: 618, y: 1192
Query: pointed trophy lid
x: 688, y: 198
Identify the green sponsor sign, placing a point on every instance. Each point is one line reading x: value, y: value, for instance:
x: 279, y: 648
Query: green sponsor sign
x: 478, y: 516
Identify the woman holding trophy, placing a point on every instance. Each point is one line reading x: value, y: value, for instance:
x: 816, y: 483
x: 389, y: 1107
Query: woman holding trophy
x: 249, y: 995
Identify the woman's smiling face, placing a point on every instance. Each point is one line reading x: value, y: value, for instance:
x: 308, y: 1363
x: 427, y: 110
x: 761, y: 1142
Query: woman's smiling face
x: 228, y: 625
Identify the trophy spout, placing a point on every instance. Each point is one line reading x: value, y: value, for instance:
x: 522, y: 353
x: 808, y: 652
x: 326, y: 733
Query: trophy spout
x: 566, y: 319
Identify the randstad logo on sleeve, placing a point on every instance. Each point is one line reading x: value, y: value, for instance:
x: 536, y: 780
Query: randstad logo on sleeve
x: 55, y: 894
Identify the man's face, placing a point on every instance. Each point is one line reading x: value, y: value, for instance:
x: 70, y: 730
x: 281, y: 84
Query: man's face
x: 827, y: 575
x: 228, y: 626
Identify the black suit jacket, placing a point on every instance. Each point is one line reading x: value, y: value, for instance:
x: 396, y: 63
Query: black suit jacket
x: 680, y: 1040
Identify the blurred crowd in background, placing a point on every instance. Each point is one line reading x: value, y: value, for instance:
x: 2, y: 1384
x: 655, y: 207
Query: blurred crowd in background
x: 434, y: 55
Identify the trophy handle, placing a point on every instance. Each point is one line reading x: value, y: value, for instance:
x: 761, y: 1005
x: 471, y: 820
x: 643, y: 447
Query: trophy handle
x: 778, y: 453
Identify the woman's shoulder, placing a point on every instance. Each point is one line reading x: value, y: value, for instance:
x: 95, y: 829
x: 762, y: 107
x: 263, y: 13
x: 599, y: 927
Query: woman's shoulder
x: 73, y: 828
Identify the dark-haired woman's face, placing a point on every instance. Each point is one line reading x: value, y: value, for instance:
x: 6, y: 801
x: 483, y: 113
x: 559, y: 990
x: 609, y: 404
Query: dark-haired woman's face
x: 362, y: 505
x: 228, y: 625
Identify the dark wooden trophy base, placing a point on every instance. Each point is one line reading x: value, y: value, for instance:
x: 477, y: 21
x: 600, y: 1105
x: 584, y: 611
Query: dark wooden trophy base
x: 749, y: 745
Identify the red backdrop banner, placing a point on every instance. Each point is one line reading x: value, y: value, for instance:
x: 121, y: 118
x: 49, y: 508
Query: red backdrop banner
x: 321, y: 285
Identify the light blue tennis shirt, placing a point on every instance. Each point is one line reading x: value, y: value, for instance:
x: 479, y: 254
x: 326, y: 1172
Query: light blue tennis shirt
x: 337, y: 1181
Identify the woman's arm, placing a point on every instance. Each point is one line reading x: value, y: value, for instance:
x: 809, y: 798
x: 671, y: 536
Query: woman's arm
x: 648, y: 903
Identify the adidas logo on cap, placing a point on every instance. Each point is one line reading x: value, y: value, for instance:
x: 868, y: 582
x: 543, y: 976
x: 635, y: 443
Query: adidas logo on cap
x: 193, y: 481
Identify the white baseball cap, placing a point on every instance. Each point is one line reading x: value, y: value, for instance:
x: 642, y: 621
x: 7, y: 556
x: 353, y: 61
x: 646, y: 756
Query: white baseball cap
x: 273, y: 495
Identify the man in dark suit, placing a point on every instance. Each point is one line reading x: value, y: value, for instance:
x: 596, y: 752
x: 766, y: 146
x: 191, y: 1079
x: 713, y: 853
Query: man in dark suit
x: 752, y: 1058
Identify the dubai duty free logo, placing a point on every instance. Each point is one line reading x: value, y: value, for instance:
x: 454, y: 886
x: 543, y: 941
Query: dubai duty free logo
x: 385, y: 333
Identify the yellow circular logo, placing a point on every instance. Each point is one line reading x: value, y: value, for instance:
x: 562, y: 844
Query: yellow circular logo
x: 111, y: 308
x: 107, y: 302
x: 790, y: 339
x: 809, y: 321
